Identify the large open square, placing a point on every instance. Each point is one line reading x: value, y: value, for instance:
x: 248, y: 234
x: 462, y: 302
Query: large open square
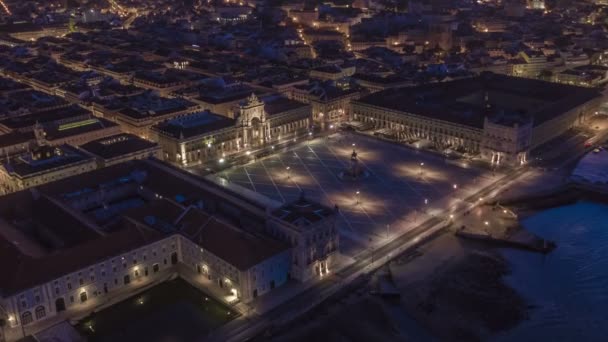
x: 402, y: 186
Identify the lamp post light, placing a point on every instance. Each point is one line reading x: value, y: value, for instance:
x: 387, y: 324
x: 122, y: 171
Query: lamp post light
x: 455, y: 186
x: 288, y: 172
x: 357, y: 196
x: 420, y: 169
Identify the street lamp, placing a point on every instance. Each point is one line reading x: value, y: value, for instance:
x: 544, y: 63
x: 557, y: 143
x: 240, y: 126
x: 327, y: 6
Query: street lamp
x: 357, y: 196
x: 455, y: 186
x: 420, y: 169
x: 288, y: 172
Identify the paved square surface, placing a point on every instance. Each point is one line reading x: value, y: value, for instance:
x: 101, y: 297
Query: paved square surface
x: 394, y: 193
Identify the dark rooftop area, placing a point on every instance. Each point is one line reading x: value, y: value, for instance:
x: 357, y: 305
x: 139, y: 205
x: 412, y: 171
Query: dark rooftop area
x: 302, y: 212
x: 117, y: 145
x: 25, y: 121
x: 462, y: 101
x: 193, y: 125
x: 43, y: 159
x: 277, y: 104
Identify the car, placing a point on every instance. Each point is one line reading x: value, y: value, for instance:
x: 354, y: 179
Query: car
x: 588, y: 144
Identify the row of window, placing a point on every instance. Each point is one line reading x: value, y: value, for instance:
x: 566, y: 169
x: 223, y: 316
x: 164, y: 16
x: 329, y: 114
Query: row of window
x: 26, y: 317
x: 60, y: 302
x: 83, y: 279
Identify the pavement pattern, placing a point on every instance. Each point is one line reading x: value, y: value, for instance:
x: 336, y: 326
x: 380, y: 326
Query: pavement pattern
x: 401, y: 187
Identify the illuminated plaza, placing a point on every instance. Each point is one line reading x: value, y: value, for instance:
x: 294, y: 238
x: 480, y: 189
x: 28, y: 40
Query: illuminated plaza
x: 404, y: 186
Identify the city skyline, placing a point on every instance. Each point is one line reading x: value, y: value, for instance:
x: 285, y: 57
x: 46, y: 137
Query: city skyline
x: 275, y: 170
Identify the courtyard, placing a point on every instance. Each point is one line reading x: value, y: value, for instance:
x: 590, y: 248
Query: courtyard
x: 403, y: 186
x: 171, y: 311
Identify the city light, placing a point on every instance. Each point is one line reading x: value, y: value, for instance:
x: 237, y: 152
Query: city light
x: 184, y: 118
x: 5, y: 7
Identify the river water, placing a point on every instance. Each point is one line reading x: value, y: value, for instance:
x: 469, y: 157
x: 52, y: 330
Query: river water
x: 569, y: 286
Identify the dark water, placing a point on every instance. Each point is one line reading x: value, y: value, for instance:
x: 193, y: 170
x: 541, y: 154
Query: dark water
x: 173, y: 311
x: 569, y: 287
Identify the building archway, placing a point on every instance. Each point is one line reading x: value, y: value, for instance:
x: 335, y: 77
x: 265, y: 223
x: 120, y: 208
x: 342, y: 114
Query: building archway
x: 26, y: 318
x: 59, y: 304
x: 40, y: 312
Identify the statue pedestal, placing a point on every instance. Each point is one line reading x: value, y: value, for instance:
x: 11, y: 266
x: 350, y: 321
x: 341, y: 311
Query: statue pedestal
x: 355, y: 171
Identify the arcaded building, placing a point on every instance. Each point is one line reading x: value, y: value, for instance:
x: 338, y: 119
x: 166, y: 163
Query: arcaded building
x: 205, y: 136
x: 495, y: 117
x: 72, y: 246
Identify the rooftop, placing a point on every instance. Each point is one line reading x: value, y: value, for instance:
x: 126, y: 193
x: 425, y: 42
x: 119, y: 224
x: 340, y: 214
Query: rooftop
x: 117, y: 145
x: 44, y: 159
x: 53, y: 115
x: 464, y: 101
x: 276, y: 104
x: 48, y: 231
x: 302, y: 212
x: 193, y: 125
x: 239, y: 248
